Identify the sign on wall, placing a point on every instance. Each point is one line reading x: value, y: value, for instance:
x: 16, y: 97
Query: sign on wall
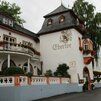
x: 72, y: 64
x: 64, y: 40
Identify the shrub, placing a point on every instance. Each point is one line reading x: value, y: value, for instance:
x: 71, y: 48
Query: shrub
x: 49, y: 73
x: 92, y: 86
x: 29, y: 74
x: 98, y: 79
x: 85, y: 86
x: 13, y: 71
x: 62, y: 70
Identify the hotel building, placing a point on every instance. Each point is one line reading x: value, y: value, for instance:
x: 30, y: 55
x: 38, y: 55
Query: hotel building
x: 61, y: 40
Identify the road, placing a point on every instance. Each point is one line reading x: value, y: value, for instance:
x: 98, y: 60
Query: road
x: 94, y: 95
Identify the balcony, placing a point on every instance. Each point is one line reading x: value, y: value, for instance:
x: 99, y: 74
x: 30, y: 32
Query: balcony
x: 88, y: 56
x: 20, y: 48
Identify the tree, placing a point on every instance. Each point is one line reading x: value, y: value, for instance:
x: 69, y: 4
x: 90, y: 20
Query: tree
x: 62, y: 70
x: 85, y: 11
x: 11, y: 9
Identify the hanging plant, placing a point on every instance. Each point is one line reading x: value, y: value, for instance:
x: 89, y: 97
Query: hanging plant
x: 80, y: 48
x: 22, y: 45
x: 86, y: 52
x: 19, y: 45
x: 15, y: 44
x: 93, y: 53
x: 11, y: 44
x: 1, y: 43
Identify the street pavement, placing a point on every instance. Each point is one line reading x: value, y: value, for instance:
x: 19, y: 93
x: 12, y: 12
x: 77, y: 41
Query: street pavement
x: 94, y: 95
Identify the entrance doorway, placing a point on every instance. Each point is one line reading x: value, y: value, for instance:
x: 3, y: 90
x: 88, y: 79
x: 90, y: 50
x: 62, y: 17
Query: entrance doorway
x: 86, y: 75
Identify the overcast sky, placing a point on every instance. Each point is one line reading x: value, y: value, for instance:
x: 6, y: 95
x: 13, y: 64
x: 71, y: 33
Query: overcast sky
x: 34, y: 10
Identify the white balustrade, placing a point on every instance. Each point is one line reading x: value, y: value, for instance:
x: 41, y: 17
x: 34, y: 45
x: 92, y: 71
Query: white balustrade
x: 17, y: 49
x: 7, y: 81
x: 65, y: 80
x: 38, y: 80
x: 23, y: 80
x: 54, y: 80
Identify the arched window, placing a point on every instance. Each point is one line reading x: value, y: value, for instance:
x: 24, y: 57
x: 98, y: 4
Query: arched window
x: 61, y: 19
x: 86, y: 45
x: 49, y: 22
x: 25, y: 68
x: 5, y: 64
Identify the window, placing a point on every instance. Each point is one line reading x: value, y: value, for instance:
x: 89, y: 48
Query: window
x: 77, y: 21
x: 25, y: 68
x: 61, y: 19
x: 49, y: 22
x: 86, y: 46
x: 5, y: 20
x: 8, y: 21
x: 11, y: 23
x: 27, y: 43
x: 9, y: 41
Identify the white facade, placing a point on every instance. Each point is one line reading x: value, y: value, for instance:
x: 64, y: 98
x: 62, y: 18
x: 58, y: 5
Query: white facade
x: 68, y: 53
x: 60, y: 44
x: 18, y: 54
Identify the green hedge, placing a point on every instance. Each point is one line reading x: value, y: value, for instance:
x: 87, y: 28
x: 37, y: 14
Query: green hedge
x: 13, y: 71
x: 29, y: 74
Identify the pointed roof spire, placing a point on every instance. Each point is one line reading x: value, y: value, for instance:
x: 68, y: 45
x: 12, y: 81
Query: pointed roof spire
x: 61, y: 2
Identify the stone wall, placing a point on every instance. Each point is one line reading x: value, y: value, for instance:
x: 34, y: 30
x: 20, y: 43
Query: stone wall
x: 33, y: 92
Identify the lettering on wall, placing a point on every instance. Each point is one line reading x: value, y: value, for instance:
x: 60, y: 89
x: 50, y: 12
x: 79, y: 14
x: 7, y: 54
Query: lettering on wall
x: 58, y: 46
x: 64, y: 40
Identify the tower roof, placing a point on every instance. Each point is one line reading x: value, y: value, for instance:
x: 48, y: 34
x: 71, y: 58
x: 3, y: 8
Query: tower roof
x: 69, y: 20
x: 60, y: 9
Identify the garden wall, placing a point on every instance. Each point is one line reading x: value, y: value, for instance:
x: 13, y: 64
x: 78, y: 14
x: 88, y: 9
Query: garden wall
x: 33, y: 92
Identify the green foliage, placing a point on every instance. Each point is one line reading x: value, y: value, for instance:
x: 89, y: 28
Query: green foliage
x: 86, y: 13
x: 96, y: 73
x: 84, y: 10
x: 62, y: 70
x: 13, y: 71
x: 1, y: 73
x: 11, y: 9
x: 49, y: 73
x: 29, y: 74
x: 85, y: 86
x: 98, y: 79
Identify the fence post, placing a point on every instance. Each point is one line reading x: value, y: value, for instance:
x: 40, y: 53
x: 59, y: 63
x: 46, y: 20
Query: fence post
x: 48, y: 82
x: 29, y: 81
x: 17, y: 80
x: 60, y: 80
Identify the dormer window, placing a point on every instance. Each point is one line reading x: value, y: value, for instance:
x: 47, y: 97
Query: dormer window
x: 49, y: 22
x: 5, y: 20
x: 11, y: 23
x: 8, y: 21
x: 77, y: 21
x: 86, y: 45
x: 61, y: 19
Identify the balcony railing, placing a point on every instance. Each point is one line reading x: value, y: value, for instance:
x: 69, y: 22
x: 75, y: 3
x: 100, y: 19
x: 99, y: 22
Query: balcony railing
x: 18, y: 48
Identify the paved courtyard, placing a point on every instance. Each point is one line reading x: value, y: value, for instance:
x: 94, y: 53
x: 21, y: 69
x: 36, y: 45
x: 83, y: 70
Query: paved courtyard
x: 94, y: 95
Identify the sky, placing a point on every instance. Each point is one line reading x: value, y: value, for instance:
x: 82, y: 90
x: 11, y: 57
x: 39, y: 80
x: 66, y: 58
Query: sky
x: 34, y: 10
